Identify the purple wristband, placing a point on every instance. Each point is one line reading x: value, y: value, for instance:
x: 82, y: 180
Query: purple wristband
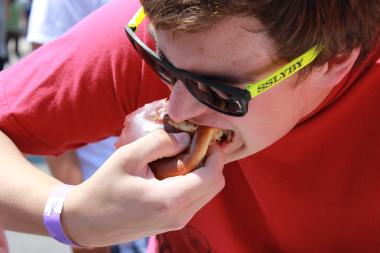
x: 52, y: 214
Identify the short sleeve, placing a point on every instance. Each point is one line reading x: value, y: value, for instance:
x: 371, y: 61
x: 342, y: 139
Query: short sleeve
x: 76, y: 89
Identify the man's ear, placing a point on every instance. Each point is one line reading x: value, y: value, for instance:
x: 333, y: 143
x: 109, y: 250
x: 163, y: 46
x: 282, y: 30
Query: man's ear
x: 336, y: 69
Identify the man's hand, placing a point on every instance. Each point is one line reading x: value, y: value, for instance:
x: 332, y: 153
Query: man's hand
x: 123, y: 201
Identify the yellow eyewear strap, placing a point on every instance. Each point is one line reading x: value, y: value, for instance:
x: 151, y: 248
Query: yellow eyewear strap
x: 272, y: 80
x: 284, y: 72
x: 137, y: 19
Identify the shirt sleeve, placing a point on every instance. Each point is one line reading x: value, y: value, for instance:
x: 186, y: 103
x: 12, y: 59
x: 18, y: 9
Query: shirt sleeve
x: 76, y: 89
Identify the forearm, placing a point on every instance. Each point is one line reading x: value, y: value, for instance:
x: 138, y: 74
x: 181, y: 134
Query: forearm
x: 24, y: 190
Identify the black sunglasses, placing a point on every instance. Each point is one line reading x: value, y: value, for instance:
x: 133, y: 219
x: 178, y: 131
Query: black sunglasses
x: 223, y: 98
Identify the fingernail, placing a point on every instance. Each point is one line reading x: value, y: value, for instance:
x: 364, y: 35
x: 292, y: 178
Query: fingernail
x: 182, y: 138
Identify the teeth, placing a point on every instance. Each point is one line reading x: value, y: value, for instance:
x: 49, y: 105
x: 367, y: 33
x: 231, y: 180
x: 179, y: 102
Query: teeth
x: 219, y: 135
x: 229, y: 135
x: 186, y: 126
x: 224, y: 136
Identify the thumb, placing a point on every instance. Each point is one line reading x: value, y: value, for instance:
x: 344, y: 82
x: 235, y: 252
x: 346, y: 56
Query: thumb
x: 158, y: 144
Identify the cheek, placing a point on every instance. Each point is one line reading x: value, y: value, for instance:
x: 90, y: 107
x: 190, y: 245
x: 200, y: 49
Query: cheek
x: 277, y: 102
x: 270, y: 116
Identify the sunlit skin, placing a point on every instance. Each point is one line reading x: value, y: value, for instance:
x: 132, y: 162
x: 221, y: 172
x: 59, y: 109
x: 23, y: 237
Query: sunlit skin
x: 231, y: 49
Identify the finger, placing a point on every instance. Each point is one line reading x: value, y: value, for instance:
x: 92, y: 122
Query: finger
x: 192, y: 191
x: 158, y: 144
x: 197, y: 183
x: 214, y: 157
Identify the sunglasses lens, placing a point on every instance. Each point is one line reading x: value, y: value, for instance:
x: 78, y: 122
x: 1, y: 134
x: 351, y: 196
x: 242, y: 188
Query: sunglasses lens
x: 165, y: 75
x: 156, y: 66
x: 217, y: 99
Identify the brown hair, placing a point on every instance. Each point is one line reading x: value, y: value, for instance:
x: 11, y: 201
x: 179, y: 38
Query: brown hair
x: 337, y: 26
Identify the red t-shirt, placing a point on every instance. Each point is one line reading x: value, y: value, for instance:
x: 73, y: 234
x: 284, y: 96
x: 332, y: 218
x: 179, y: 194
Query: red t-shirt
x: 77, y: 89
x: 315, y: 190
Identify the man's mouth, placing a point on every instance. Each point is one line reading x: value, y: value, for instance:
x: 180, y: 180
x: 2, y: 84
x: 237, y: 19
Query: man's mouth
x: 224, y: 137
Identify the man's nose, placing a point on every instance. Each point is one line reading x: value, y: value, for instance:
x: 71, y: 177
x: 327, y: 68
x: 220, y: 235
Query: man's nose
x: 182, y: 105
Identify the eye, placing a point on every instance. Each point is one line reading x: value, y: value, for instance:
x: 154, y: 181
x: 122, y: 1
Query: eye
x: 213, y: 92
x: 202, y: 87
x: 217, y: 92
x: 221, y: 93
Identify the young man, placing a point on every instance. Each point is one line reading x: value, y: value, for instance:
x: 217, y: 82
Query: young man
x: 295, y: 81
x: 122, y: 202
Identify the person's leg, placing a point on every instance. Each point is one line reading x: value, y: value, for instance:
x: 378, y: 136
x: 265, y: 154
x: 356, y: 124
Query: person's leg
x: 2, y: 63
x: 115, y: 249
x: 12, y: 35
x: 16, y: 39
x: 3, y: 58
x: 7, y: 40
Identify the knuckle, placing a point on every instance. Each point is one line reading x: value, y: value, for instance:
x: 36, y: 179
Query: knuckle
x: 169, y: 211
x: 164, y: 207
x: 126, y: 154
x: 161, y: 137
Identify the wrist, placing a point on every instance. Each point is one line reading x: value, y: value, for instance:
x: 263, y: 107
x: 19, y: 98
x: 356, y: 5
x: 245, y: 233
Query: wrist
x: 74, y: 218
x: 53, y: 214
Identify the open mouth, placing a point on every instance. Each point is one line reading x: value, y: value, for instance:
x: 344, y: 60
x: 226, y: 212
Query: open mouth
x: 222, y: 137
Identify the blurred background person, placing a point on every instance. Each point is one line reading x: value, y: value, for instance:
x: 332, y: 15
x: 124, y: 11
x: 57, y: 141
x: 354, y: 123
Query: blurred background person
x: 50, y: 19
x: 15, y: 25
x: 3, y: 31
x: 27, y: 6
